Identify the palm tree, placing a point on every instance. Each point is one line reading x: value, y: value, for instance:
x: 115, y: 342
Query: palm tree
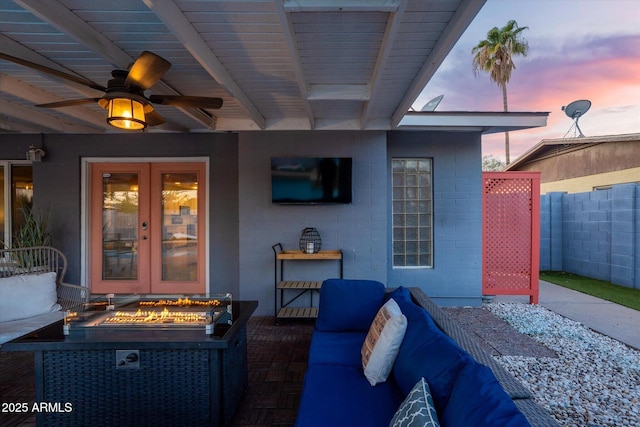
x: 495, y: 56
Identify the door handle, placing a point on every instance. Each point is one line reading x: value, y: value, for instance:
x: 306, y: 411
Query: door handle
x: 145, y: 237
x: 145, y: 225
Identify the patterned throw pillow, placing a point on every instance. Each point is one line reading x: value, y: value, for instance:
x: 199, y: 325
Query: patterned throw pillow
x: 382, y: 344
x: 417, y: 410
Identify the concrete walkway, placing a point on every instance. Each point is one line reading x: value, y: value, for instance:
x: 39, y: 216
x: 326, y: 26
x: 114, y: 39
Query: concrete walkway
x: 614, y: 320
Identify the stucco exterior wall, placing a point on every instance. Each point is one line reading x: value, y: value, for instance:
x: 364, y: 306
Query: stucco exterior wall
x: 592, y: 182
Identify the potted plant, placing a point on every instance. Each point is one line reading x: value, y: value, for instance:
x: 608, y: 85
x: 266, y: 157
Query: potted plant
x: 32, y: 233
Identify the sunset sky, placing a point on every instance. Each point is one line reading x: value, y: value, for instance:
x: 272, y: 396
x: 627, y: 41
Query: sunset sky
x: 578, y: 49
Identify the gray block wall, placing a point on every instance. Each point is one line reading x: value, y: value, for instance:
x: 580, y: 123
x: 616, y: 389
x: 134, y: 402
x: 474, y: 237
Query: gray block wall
x: 594, y: 234
x: 243, y: 223
x: 358, y: 229
x: 58, y: 187
x: 362, y: 230
x: 456, y: 276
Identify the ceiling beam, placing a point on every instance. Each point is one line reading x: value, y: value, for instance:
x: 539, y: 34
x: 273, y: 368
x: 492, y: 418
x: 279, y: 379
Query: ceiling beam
x: 466, y: 11
x: 390, y: 32
x: 13, y: 48
x: 34, y: 95
x: 182, y: 29
x: 40, y: 120
x: 296, y: 63
x: 339, y: 92
x: 7, y: 125
x: 341, y: 6
x: 71, y: 24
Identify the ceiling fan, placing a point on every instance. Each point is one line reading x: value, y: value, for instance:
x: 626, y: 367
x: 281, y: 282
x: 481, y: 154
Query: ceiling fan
x: 127, y: 106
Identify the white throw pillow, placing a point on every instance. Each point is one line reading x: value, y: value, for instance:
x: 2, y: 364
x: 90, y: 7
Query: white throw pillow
x: 27, y: 295
x: 383, y: 341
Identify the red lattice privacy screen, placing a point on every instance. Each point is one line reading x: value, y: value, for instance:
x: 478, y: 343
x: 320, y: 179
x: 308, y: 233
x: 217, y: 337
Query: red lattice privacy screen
x: 511, y: 234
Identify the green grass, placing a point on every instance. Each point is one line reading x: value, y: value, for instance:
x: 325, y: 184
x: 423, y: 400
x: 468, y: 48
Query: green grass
x: 622, y: 295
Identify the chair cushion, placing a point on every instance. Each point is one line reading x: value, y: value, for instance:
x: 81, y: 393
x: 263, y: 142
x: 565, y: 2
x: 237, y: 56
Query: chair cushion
x: 478, y: 400
x: 27, y: 295
x: 381, y: 346
x: 417, y: 410
x: 348, y: 305
x: 341, y: 396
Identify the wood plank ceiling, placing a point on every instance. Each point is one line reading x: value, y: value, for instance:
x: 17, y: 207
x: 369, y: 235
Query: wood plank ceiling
x: 277, y: 64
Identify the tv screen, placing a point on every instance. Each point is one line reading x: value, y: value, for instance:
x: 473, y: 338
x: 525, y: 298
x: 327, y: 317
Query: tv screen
x: 311, y: 180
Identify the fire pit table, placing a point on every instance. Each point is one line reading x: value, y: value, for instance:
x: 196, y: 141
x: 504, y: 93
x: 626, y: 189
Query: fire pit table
x: 141, y: 360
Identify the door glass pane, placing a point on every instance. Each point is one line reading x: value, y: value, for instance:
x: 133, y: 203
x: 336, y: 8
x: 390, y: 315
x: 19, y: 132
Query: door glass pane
x: 22, y: 197
x: 120, y: 226
x: 3, y: 215
x: 179, y: 226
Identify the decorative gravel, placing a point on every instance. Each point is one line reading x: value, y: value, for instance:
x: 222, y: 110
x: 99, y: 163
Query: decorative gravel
x: 594, y: 381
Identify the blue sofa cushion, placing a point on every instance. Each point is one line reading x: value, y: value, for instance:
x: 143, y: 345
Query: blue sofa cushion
x: 478, y: 400
x: 411, y: 310
x: 336, y: 348
x: 348, y: 305
x: 342, y: 396
x: 417, y: 410
x: 428, y: 352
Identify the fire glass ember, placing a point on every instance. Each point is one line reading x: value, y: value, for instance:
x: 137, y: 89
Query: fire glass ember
x: 165, y: 316
x: 180, y: 302
x: 179, y: 312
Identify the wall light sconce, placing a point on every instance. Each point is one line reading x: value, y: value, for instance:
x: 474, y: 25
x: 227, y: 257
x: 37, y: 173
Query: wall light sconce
x: 126, y: 113
x: 35, y: 154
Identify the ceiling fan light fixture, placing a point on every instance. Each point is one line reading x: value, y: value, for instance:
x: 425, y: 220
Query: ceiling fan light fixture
x: 126, y: 113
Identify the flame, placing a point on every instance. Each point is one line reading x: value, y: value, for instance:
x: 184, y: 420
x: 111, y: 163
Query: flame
x: 180, y: 302
x: 152, y: 316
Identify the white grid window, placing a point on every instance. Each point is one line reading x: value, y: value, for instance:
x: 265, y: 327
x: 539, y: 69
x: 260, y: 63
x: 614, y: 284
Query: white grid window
x: 412, y: 213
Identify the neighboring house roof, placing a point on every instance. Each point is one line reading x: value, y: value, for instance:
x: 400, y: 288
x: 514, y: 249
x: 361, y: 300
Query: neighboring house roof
x: 278, y: 65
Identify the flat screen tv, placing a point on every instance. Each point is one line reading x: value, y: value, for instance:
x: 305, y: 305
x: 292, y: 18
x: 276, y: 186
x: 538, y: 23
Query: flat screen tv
x: 311, y: 180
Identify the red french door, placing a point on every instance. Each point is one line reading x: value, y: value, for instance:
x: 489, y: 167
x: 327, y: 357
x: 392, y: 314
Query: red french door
x: 147, y: 228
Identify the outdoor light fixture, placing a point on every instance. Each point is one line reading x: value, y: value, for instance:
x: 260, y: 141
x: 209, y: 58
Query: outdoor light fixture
x: 35, y: 154
x: 126, y: 113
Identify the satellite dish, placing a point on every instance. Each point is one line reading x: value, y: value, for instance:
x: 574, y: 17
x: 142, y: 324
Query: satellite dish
x: 433, y: 104
x: 575, y: 110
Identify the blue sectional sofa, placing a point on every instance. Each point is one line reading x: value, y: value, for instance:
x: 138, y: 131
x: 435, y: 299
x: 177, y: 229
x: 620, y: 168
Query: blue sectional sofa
x: 465, y: 390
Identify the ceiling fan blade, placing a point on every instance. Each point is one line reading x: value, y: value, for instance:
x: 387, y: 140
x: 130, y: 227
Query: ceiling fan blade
x: 153, y: 118
x: 147, y: 70
x: 69, y: 103
x: 51, y: 71
x: 187, y: 101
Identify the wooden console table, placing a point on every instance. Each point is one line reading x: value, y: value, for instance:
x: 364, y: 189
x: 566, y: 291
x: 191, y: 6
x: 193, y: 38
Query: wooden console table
x: 281, y: 308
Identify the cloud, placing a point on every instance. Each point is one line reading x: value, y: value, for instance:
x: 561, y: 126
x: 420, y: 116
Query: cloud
x: 602, y: 68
